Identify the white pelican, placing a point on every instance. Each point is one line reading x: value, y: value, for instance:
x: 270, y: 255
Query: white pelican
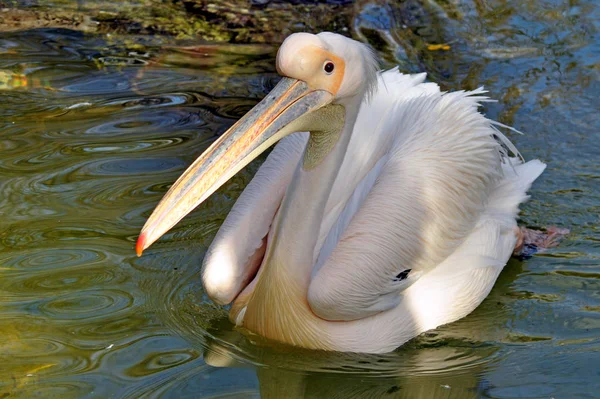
x: 387, y: 208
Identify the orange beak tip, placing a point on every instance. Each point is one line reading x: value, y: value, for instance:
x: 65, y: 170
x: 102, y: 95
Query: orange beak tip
x: 139, y: 246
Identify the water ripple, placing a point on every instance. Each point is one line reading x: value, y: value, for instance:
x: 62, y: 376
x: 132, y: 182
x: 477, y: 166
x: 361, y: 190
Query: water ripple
x: 125, y: 146
x: 154, y: 101
x: 44, y: 259
x: 127, y: 166
x: 156, y: 362
x: 147, y: 123
x: 56, y: 282
x: 53, y: 389
x: 124, y: 327
x: 86, y: 305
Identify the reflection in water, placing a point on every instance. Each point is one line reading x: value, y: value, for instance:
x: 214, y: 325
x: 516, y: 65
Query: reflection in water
x: 89, y: 143
x: 282, y: 383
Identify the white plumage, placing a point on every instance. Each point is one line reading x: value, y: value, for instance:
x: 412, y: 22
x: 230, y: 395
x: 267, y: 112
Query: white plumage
x: 398, y: 172
x: 404, y: 225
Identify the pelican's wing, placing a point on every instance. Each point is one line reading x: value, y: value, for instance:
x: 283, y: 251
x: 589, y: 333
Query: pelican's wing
x: 413, y: 209
x: 238, y: 248
x: 373, y: 260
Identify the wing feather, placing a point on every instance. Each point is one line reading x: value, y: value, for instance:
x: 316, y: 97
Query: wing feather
x: 236, y: 252
x: 426, y: 199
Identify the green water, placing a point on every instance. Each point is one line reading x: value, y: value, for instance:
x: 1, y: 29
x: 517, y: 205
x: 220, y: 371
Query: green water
x: 92, y: 134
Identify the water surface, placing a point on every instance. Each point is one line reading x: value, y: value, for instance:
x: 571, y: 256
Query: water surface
x: 92, y: 133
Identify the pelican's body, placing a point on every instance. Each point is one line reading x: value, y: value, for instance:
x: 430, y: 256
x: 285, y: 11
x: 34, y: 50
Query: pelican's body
x: 394, y: 215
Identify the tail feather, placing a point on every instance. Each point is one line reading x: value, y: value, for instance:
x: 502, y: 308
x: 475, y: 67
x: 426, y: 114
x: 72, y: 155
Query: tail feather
x: 511, y: 191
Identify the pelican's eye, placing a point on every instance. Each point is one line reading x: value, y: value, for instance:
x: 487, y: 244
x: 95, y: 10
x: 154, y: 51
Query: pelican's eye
x: 328, y: 67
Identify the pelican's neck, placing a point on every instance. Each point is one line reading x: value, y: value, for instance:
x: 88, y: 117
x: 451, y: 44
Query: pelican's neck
x: 298, y: 222
x: 279, y: 299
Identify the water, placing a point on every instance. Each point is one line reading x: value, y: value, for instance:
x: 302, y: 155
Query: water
x: 92, y: 133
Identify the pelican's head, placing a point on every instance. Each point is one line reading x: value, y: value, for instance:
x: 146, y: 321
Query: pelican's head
x: 321, y: 73
x: 333, y: 63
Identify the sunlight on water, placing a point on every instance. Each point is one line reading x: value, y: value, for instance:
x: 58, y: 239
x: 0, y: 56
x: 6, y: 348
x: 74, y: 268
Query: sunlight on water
x: 92, y: 136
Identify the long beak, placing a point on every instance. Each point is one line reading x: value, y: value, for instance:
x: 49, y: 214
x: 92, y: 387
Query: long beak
x: 280, y: 113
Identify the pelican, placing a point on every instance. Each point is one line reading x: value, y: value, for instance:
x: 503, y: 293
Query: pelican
x: 386, y: 209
